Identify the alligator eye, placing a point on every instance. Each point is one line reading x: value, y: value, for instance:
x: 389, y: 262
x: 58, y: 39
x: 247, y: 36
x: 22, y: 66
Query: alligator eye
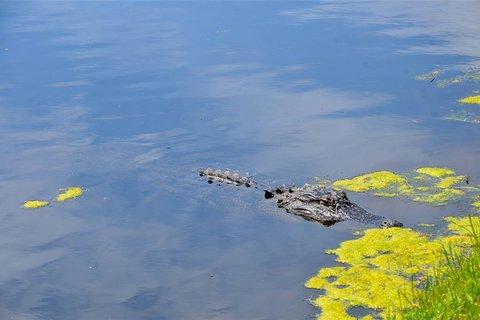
x: 269, y: 194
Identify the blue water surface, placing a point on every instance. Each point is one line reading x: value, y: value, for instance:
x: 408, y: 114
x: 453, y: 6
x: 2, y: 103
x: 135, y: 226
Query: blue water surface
x: 130, y: 99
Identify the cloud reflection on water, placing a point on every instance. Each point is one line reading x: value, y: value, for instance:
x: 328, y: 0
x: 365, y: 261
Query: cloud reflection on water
x: 451, y: 27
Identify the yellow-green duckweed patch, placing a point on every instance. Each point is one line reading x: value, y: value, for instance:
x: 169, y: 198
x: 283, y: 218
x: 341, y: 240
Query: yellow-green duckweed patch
x: 429, y: 76
x: 476, y: 202
x: 378, y: 269
x: 70, y: 193
x: 439, y: 198
x: 446, y: 82
x: 449, y: 182
x: 436, y: 172
x: 472, y: 74
x: 432, y: 185
x: 385, y: 182
x: 35, y: 204
x: 470, y: 100
x: 65, y: 195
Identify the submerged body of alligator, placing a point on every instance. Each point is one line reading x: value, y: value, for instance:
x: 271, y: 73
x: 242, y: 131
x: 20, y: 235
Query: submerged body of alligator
x: 313, y: 203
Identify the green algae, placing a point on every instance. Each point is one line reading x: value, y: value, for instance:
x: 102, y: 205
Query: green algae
x: 384, y: 183
x: 65, y: 195
x: 449, y: 182
x: 469, y: 75
x: 378, y: 268
x: 35, y: 204
x: 431, y: 185
x: 70, y: 194
x: 470, y: 100
x: 429, y: 76
x: 472, y: 74
x: 446, y: 82
x: 440, y: 198
x: 436, y: 172
x: 476, y: 202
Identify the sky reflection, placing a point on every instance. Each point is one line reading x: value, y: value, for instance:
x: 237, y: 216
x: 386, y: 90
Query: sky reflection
x: 130, y: 99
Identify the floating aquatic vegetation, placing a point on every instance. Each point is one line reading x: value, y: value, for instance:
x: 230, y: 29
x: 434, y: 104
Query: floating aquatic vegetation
x: 447, y: 82
x: 470, y: 100
x: 472, y: 74
x: 378, y: 269
x: 463, y: 116
x: 476, y: 202
x: 429, y: 76
x: 385, y: 183
x: 438, y: 185
x: 65, y: 195
x: 435, y: 172
x: 432, y: 185
x: 70, y: 193
x: 35, y: 204
x: 439, y: 198
x: 449, y: 182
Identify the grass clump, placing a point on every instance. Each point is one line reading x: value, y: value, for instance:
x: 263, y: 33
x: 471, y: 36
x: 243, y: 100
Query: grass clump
x: 454, y: 292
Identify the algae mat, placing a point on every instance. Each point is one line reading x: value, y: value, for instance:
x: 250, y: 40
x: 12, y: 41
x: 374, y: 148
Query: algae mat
x: 430, y: 185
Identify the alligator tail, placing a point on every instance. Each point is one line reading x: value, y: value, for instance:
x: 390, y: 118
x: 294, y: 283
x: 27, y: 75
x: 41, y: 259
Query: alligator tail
x: 228, y: 177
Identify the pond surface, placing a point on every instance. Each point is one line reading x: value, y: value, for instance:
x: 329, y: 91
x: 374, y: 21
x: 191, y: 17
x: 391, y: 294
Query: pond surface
x: 130, y: 99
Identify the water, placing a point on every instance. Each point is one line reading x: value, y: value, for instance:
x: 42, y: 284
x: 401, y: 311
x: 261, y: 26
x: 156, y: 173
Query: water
x: 130, y: 99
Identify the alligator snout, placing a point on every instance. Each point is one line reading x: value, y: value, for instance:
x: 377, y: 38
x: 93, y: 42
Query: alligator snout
x: 389, y: 223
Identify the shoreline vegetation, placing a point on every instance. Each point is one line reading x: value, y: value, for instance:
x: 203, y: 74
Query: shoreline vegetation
x: 403, y: 274
x: 453, y: 293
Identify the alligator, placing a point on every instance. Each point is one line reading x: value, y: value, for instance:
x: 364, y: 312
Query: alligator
x: 310, y: 202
